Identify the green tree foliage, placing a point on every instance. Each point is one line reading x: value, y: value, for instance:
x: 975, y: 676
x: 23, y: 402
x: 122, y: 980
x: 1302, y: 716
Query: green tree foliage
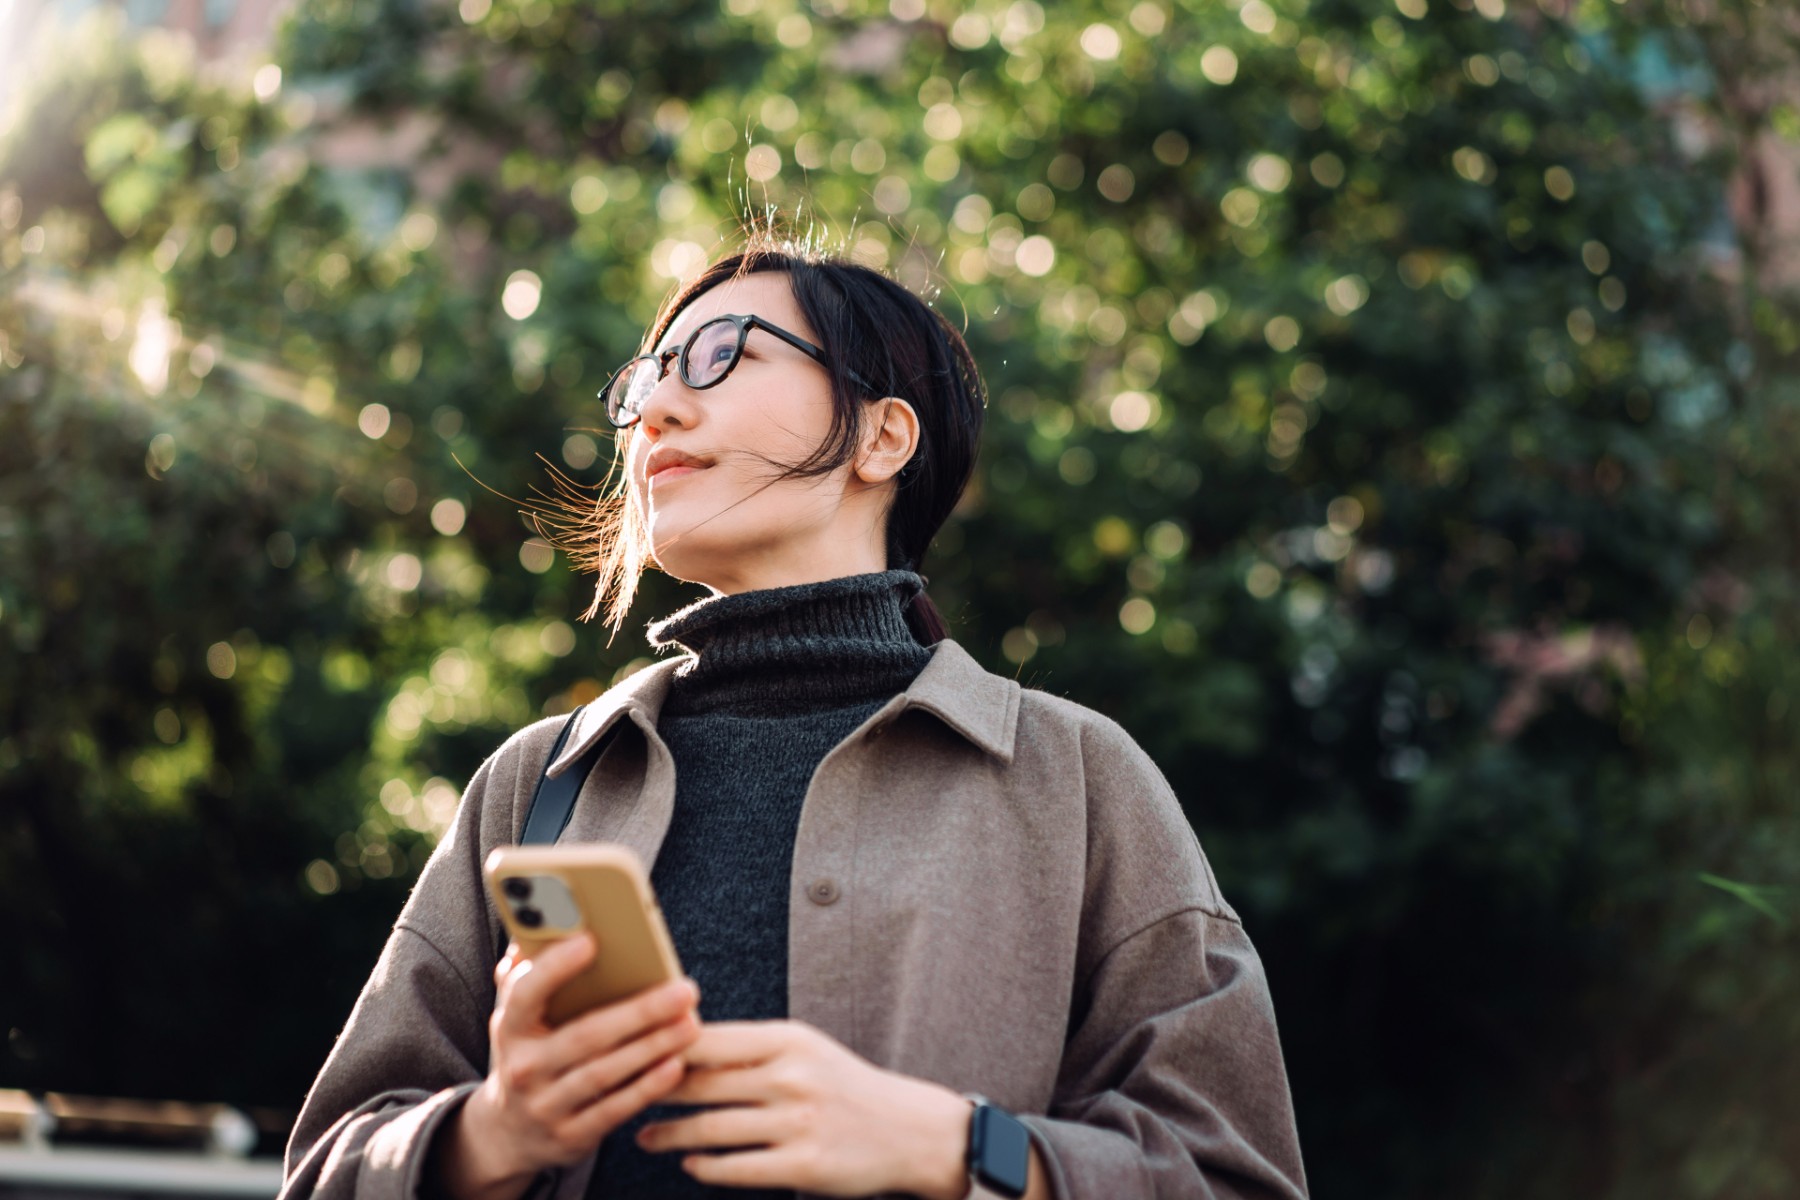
x: 1375, y: 432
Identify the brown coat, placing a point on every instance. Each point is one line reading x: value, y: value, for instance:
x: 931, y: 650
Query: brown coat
x: 993, y: 888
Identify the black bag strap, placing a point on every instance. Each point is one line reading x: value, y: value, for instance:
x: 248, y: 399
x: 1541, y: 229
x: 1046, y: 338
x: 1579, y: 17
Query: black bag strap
x: 554, y: 800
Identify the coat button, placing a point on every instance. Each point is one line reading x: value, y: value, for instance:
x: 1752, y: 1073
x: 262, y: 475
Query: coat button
x: 822, y: 891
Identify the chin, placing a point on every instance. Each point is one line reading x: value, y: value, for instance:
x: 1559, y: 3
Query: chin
x: 713, y: 554
x: 684, y: 555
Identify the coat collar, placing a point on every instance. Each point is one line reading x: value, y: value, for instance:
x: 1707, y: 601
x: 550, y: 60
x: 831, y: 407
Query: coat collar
x: 979, y: 705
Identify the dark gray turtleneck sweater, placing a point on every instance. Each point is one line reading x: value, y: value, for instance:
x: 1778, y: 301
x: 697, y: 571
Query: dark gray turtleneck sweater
x: 778, y: 677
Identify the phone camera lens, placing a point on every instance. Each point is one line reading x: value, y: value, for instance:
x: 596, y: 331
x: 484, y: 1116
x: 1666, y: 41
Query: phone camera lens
x: 530, y: 918
x: 518, y: 889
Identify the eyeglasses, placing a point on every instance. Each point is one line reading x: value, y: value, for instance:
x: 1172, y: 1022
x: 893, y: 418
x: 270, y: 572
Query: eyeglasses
x: 706, y: 358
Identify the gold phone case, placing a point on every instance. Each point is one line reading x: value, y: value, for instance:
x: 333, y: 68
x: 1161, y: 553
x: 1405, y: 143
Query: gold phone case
x: 546, y: 893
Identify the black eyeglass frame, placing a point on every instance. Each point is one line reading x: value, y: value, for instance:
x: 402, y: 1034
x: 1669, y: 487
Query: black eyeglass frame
x: 744, y: 323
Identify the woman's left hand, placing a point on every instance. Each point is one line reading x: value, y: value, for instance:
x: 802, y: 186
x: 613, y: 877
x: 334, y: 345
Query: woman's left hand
x: 800, y: 1110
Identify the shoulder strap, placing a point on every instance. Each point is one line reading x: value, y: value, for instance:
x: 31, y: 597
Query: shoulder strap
x: 554, y: 800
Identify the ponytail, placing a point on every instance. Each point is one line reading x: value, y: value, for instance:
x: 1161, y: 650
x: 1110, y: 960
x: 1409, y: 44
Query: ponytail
x: 925, y: 621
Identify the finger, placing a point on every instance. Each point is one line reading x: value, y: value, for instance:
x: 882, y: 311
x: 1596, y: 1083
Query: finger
x: 768, y: 1168
x: 725, y: 1085
x: 581, y: 1085
x: 597, y: 1120
x: 740, y: 1043
x: 612, y: 1025
x: 533, y: 981
x: 507, y: 962
x: 720, y: 1129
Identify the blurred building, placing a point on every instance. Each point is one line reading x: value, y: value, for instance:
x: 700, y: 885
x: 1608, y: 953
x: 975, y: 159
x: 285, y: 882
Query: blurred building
x: 374, y: 164
x: 220, y: 29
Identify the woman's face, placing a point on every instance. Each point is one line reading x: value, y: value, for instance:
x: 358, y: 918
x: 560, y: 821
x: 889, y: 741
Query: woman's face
x: 704, y: 466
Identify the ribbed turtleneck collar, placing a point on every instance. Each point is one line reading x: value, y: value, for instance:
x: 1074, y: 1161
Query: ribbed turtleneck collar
x: 787, y: 650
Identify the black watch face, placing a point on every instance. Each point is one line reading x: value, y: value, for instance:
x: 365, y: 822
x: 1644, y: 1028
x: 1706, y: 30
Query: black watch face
x: 1002, y: 1151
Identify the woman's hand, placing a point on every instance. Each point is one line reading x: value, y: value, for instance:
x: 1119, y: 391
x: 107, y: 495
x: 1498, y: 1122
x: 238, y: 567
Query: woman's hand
x: 552, y: 1093
x: 803, y: 1111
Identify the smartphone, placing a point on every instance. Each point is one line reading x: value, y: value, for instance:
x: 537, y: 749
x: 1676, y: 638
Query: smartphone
x: 546, y: 893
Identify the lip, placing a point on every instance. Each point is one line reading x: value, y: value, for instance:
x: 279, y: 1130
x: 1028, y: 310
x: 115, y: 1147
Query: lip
x: 676, y: 472
x: 666, y: 463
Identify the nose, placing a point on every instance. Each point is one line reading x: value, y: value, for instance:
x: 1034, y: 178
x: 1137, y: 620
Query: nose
x: 672, y: 404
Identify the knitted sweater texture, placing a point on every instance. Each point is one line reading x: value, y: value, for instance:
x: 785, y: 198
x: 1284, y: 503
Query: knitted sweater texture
x: 777, y: 678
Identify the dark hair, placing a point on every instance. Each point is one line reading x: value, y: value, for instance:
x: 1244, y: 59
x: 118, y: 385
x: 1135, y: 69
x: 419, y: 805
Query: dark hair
x: 869, y: 326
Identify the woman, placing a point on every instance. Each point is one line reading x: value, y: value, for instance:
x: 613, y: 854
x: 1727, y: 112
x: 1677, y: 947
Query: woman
x: 923, y: 907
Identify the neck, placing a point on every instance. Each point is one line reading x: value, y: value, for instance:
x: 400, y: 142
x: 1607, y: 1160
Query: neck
x: 784, y: 570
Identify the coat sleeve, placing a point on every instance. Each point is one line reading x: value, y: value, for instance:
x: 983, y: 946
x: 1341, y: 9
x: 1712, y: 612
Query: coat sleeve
x: 1172, y: 1082
x: 416, y: 1044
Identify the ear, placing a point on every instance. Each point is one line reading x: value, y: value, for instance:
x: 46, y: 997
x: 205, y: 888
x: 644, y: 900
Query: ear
x: 889, y: 440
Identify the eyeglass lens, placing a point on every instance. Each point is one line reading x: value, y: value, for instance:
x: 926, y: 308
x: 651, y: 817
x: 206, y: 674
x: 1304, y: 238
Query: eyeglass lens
x: 709, y: 354
x: 632, y: 388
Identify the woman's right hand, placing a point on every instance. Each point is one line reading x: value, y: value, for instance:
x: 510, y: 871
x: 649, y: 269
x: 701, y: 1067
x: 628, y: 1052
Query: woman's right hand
x: 552, y: 1093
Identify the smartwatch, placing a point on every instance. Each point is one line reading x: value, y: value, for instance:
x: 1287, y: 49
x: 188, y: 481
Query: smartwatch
x: 999, y: 1152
